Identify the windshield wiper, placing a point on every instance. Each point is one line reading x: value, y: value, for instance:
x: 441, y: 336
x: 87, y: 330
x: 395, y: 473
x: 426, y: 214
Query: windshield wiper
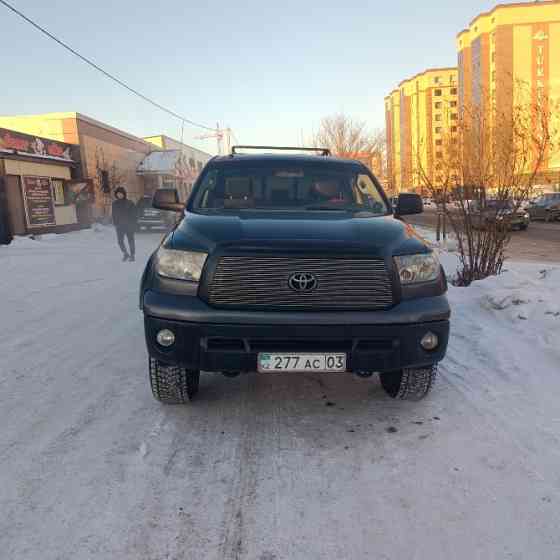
x: 331, y: 208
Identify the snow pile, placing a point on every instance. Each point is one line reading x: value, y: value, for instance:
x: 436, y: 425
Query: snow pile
x: 521, y: 307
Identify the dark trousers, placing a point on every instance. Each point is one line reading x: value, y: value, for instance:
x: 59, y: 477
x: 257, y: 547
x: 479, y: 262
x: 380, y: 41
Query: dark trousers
x: 129, y: 232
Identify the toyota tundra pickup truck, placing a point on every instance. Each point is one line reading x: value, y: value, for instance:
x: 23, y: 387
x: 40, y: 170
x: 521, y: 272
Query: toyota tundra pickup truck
x: 288, y: 263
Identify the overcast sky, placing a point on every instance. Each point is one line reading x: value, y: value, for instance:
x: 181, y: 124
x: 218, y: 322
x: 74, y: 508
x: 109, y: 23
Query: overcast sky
x: 270, y: 70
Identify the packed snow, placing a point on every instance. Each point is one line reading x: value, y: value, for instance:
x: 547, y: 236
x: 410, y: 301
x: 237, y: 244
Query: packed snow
x: 268, y: 467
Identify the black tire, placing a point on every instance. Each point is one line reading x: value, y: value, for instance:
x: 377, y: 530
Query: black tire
x: 410, y: 384
x: 523, y: 227
x: 173, y: 384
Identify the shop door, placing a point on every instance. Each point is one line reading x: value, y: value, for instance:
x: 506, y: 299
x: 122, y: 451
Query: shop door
x: 6, y: 235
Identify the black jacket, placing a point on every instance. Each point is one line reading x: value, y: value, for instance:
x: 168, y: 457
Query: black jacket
x: 124, y: 212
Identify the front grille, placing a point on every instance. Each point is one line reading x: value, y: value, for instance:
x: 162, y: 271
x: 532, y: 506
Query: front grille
x: 259, y: 282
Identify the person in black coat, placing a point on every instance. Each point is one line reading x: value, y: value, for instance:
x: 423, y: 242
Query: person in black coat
x: 124, y: 219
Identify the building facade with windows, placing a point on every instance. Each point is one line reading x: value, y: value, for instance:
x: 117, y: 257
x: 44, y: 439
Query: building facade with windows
x: 174, y: 165
x: 108, y: 157
x: 420, y: 114
x: 510, y: 56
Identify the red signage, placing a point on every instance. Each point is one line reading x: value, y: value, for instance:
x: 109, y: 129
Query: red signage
x: 39, y: 203
x: 34, y: 145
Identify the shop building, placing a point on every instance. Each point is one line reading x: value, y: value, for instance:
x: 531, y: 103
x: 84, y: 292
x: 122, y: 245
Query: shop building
x: 40, y: 186
x: 177, y: 169
x: 109, y: 157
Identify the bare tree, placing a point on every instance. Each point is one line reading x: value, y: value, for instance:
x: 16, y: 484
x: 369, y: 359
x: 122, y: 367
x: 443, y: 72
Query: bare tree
x: 350, y: 138
x: 487, y: 168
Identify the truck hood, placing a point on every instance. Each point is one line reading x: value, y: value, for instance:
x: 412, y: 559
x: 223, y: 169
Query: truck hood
x: 321, y: 231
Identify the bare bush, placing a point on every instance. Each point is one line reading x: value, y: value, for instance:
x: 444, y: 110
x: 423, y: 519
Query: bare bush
x: 486, y: 171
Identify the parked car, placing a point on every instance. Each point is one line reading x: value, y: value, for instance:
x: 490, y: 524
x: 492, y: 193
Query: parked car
x: 498, y: 211
x: 150, y: 217
x: 292, y: 264
x: 546, y: 207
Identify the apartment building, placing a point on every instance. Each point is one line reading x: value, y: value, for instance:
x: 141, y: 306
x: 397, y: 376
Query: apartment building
x: 419, y: 115
x: 511, y: 56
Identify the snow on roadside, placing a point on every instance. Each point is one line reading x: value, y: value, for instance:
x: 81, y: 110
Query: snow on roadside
x: 260, y: 467
x: 525, y: 296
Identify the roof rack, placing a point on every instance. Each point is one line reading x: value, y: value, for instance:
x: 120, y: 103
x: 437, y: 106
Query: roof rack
x: 322, y: 151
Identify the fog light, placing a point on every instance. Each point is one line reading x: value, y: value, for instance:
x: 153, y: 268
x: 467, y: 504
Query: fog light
x: 165, y: 338
x: 429, y: 341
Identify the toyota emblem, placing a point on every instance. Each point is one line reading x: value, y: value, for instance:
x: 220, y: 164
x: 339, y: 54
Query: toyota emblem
x: 302, y: 282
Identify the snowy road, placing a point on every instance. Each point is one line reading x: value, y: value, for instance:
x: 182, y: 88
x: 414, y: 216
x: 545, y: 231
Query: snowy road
x: 283, y: 467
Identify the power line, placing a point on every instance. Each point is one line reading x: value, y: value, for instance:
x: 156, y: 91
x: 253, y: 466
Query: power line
x: 99, y: 69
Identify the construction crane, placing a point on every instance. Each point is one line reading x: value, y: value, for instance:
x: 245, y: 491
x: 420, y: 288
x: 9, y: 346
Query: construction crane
x: 223, y: 139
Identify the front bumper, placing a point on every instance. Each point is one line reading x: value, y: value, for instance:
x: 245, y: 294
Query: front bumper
x: 216, y: 340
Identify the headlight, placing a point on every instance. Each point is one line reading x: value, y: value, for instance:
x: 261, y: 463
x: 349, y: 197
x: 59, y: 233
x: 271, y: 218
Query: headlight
x: 526, y: 216
x: 417, y: 268
x: 182, y: 265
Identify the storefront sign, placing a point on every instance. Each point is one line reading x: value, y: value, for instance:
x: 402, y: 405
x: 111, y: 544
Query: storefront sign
x: 39, y: 204
x: 33, y: 145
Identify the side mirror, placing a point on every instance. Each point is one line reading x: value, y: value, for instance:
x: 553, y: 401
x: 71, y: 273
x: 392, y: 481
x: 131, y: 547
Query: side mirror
x: 409, y: 203
x: 167, y: 199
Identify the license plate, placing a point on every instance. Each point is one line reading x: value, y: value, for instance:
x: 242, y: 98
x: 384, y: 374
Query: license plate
x: 299, y: 363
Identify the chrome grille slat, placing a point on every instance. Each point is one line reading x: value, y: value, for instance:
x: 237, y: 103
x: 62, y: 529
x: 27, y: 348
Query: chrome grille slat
x: 259, y: 282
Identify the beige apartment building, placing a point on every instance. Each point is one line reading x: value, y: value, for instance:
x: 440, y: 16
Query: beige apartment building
x: 510, y: 56
x: 419, y: 114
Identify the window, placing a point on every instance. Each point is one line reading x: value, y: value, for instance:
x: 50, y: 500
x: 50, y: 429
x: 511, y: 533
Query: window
x: 439, y: 155
x: 438, y: 129
x: 438, y: 105
x: 438, y: 117
x: 493, y: 75
x: 237, y: 187
x: 493, y: 55
x: 453, y: 116
x: 105, y: 182
x: 168, y: 183
x: 453, y: 91
x: 453, y: 103
x: 192, y: 164
x: 453, y: 129
x: 439, y: 142
x: 199, y: 166
x: 437, y: 92
x: 454, y: 140
x: 58, y: 192
x: 437, y: 80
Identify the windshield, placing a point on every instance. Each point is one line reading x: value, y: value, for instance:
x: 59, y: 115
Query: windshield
x: 303, y: 188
